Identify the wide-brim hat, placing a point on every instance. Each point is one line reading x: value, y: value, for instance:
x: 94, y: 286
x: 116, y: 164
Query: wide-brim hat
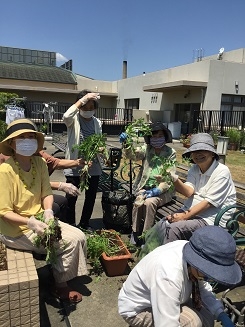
x: 201, y: 141
x: 159, y: 126
x: 211, y: 250
x: 16, y: 128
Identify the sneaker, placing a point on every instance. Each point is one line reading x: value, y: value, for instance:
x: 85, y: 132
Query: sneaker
x: 86, y: 228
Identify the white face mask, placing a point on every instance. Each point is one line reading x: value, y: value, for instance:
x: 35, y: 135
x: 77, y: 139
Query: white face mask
x: 87, y: 114
x: 26, y: 147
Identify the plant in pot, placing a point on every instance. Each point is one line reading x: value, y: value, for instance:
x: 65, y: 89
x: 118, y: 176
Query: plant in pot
x: 185, y: 139
x: 234, y: 138
x: 106, y: 247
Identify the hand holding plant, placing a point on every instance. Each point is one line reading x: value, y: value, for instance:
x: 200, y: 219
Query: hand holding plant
x: 88, y: 150
x: 49, y: 238
x: 166, y: 168
x: 133, y: 131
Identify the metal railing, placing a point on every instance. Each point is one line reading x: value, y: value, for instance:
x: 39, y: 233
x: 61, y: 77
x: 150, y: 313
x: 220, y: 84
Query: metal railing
x: 110, y: 116
x: 221, y: 121
x: 203, y: 121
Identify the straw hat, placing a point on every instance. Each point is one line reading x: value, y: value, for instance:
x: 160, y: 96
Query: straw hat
x: 16, y: 128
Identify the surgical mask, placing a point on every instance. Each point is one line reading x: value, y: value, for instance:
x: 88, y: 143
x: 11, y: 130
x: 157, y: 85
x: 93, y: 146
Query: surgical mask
x: 26, y: 147
x: 87, y: 114
x: 157, y: 142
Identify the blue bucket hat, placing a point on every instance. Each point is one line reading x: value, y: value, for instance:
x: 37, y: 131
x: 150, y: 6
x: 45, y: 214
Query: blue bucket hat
x: 211, y: 250
x: 200, y: 141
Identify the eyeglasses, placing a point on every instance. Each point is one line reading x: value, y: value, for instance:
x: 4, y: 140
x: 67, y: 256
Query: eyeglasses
x: 200, y: 276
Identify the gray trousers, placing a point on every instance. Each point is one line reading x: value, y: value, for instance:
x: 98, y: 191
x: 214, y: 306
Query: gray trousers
x: 143, y: 216
x: 181, y: 230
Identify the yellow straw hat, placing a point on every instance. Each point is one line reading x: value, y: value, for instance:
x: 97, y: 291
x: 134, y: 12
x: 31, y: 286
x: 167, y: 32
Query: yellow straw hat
x: 16, y: 128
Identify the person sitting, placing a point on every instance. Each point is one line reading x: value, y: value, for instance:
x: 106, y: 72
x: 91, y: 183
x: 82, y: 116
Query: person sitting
x: 60, y: 204
x: 27, y: 193
x: 151, y: 193
x: 208, y: 188
x: 169, y: 286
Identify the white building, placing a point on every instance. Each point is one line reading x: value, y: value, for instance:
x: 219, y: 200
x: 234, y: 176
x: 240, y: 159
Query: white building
x: 215, y: 83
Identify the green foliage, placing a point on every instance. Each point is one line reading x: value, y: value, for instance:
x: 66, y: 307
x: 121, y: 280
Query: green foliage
x: 99, y: 242
x: 5, y: 98
x: 50, y: 238
x: 43, y: 128
x: 234, y: 135
x: 215, y: 135
x: 88, y: 149
x: 165, y: 166
x: 134, y: 130
x: 3, y: 128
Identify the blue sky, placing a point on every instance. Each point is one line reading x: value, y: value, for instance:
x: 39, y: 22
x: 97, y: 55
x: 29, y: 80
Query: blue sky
x: 99, y: 34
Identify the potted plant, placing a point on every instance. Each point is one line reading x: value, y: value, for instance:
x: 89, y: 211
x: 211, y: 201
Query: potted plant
x: 234, y: 138
x: 107, y: 248
x: 185, y: 140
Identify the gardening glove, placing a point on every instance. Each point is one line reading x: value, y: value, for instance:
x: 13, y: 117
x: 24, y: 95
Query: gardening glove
x: 173, y: 175
x: 88, y: 97
x: 153, y: 192
x: 36, y: 226
x: 122, y: 137
x: 47, y: 215
x: 69, y: 189
x: 225, y: 320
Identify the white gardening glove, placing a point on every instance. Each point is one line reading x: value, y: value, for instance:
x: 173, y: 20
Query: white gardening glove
x: 172, y: 172
x: 47, y: 215
x: 36, y: 226
x: 69, y: 189
x: 88, y: 97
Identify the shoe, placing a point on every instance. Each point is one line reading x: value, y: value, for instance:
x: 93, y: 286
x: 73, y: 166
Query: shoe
x: 67, y: 294
x: 86, y: 228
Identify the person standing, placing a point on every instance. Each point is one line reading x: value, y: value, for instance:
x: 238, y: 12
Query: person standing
x: 81, y: 123
x: 169, y: 287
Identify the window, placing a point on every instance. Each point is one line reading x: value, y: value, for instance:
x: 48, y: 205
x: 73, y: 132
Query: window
x: 132, y: 103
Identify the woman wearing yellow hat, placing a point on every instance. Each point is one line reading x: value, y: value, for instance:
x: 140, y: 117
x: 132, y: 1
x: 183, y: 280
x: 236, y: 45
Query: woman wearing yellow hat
x: 26, y: 192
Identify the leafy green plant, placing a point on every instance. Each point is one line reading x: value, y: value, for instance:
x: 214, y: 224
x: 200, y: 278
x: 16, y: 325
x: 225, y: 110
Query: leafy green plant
x: 50, y: 238
x: 43, y: 128
x: 6, y: 97
x: 165, y: 166
x: 3, y: 128
x: 234, y: 135
x: 88, y: 149
x: 134, y: 130
x: 99, y: 242
x: 215, y: 134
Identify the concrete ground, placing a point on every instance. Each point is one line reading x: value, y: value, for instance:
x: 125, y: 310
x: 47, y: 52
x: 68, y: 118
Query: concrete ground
x: 99, y: 305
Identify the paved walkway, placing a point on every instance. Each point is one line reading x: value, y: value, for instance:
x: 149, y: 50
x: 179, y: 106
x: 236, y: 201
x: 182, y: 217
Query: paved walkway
x: 99, y: 305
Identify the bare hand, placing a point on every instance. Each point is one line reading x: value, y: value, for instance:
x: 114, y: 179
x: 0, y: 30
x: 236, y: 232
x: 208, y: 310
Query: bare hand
x: 175, y: 217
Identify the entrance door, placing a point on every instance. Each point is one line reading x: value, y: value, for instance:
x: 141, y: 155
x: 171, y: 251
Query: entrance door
x: 187, y: 114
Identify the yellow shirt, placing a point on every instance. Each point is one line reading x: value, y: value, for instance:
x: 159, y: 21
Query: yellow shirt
x: 16, y: 198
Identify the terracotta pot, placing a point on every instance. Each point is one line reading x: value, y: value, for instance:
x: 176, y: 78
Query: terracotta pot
x: 233, y: 146
x: 186, y: 145
x: 116, y: 265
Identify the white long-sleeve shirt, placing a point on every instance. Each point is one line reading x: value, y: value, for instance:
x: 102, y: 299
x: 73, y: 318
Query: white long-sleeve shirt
x: 160, y: 281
